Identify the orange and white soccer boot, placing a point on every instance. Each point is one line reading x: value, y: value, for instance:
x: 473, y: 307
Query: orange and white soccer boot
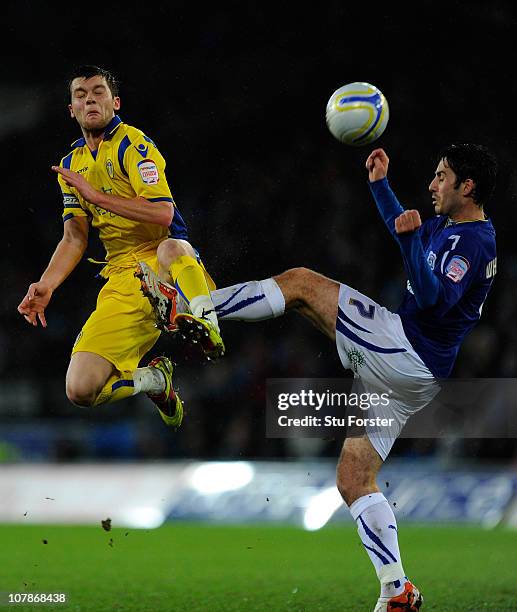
x: 161, y: 295
x: 410, y: 600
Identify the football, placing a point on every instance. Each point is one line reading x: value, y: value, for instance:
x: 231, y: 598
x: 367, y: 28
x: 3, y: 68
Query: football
x: 357, y: 114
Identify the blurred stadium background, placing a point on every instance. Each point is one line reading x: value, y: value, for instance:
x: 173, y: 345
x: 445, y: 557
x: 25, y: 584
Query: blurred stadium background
x: 235, y: 99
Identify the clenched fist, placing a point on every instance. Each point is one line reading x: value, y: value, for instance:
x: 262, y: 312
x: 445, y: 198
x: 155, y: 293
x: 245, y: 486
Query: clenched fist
x: 377, y: 165
x: 408, y: 221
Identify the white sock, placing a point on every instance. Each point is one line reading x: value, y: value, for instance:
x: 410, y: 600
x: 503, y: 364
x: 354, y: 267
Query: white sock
x: 377, y: 529
x: 252, y: 301
x: 148, y: 380
x: 202, y: 306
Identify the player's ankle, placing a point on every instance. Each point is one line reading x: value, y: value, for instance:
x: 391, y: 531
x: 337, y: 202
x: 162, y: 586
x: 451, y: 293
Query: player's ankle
x: 202, y: 306
x: 149, y: 380
x: 392, y: 589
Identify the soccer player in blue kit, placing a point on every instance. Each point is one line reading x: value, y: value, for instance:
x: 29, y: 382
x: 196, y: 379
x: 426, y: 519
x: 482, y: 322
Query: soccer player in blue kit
x: 450, y: 261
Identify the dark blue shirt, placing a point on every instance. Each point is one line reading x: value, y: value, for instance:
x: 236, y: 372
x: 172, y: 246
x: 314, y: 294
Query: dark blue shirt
x: 451, y: 267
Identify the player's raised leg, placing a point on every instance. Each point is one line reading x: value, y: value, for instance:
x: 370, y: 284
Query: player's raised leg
x: 92, y: 380
x: 311, y: 294
x: 357, y: 471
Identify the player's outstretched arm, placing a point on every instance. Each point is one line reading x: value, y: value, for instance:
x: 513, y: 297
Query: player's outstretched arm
x: 387, y: 204
x: 404, y: 226
x: 67, y: 255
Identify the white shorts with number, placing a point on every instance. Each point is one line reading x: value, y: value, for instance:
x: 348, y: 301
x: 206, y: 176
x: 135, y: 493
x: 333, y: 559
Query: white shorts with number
x: 371, y: 342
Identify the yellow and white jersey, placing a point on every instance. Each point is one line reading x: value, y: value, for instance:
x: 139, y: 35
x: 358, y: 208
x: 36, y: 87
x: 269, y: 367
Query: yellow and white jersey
x: 127, y: 164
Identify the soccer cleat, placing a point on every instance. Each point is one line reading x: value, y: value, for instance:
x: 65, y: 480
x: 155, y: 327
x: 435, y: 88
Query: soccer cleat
x: 410, y: 600
x: 168, y: 402
x: 161, y: 296
x: 200, y: 330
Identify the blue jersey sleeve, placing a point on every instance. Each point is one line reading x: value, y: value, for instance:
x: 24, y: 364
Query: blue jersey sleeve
x: 424, y: 283
x: 387, y: 204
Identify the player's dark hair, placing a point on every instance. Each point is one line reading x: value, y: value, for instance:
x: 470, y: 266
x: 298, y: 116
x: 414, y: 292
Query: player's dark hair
x: 472, y: 161
x: 88, y: 72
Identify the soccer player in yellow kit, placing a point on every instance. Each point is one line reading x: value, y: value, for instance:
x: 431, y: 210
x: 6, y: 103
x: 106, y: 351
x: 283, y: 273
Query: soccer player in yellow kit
x: 114, y: 180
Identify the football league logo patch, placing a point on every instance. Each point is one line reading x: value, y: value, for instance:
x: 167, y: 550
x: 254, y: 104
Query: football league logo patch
x: 109, y: 168
x: 457, y: 268
x: 148, y: 172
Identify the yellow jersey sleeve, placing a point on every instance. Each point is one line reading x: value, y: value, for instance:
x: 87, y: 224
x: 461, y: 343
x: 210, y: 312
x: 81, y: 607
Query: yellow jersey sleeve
x: 71, y: 202
x: 145, y: 166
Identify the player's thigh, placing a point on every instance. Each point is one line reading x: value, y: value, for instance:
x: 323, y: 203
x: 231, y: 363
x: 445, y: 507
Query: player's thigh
x: 122, y: 329
x: 315, y: 296
x: 87, y: 373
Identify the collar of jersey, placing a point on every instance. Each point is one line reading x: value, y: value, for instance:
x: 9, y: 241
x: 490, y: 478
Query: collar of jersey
x: 450, y: 222
x: 108, y: 132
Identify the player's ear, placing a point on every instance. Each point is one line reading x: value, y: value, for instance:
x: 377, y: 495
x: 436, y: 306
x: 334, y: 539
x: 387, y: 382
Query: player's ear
x: 116, y: 103
x: 71, y: 111
x: 468, y: 187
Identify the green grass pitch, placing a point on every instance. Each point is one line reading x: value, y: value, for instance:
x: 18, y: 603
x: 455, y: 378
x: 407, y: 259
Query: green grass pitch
x: 193, y: 567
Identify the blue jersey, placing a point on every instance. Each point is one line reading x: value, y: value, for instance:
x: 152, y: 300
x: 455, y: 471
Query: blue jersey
x: 463, y: 257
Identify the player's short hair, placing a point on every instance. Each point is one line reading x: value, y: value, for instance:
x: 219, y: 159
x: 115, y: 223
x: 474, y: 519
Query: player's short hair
x: 87, y: 72
x: 472, y: 161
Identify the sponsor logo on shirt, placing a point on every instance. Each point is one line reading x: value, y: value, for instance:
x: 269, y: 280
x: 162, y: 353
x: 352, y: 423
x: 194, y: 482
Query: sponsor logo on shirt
x: 142, y: 149
x: 70, y: 201
x: 457, y: 268
x: 148, y: 172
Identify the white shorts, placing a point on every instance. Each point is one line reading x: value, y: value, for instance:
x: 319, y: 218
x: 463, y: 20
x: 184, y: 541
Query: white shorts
x: 371, y: 342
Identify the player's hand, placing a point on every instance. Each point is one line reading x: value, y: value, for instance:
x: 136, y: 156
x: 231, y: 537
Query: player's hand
x: 76, y: 180
x: 33, y: 305
x: 408, y: 221
x: 377, y: 165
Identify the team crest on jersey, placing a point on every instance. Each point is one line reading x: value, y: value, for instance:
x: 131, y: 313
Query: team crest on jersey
x: 356, y: 359
x: 457, y: 268
x: 109, y: 168
x: 148, y: 172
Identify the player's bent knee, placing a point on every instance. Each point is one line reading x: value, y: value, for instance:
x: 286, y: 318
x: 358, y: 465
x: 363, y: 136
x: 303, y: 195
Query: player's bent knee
x: 172, y: 248
x: 300, y: 275
x: 83, y: 397
x: 293, y: 284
